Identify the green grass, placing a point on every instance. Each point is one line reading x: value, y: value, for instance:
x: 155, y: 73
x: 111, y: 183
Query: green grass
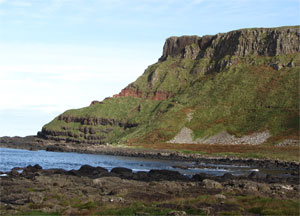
x: 88, y: 205
x: 269, y: 206
x: 145, y: 208
x: 249, y: 96
x: 133, y: 209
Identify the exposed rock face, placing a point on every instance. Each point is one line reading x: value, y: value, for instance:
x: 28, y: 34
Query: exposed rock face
x: 129, y: 91
x: 96, y: 121
x: 88, y: 132
x: 263, y: 42
x: 176, y: 45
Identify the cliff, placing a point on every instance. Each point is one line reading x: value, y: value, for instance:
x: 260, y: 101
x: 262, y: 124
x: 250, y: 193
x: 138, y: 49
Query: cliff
x: 238, y: 83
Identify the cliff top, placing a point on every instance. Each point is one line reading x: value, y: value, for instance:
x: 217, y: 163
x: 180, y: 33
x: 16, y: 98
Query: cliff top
x: 259, y: 41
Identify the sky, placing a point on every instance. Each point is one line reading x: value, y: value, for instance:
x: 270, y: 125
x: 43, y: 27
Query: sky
x: 62, y: 54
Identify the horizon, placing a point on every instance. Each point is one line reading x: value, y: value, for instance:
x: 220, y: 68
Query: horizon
x: 60, y: 55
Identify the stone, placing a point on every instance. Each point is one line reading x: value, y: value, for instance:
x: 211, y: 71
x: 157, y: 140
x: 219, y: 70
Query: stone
x: 176, y: 45
x: 200, y: 176
x: 220, y: 196
x: 88, y: 170
x: 227, y: 176
x: 36, y: 198
x: 211, y: 184
x: 123, y: 172
x: 177, y: 213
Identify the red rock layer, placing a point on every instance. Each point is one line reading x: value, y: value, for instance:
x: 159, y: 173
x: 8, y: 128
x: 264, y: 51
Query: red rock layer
x: 136, y: 93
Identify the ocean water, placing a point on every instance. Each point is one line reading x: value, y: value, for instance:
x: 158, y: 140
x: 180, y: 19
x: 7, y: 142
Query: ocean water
x: 11, y: 158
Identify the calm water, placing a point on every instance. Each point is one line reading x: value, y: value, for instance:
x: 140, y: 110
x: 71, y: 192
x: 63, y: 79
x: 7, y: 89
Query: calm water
x: 11, y: 158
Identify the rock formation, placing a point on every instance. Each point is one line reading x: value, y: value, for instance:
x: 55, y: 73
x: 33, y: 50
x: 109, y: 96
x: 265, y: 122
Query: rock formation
x: 242, y: 82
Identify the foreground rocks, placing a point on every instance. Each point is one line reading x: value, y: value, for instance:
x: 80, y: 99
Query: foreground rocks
x: 87, y: 190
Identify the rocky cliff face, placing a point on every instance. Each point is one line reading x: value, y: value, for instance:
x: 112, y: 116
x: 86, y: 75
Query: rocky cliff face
x: 157, y: 95
x: 242, y: 82
x: 262, y: 42
x: 219, y: 52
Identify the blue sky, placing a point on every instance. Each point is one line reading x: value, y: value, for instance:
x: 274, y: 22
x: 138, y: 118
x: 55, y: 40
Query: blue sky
x: 62, y: 54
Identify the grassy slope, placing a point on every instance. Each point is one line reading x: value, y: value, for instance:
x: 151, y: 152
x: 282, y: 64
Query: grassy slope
x: 241, y: 99
x: 246, y: 97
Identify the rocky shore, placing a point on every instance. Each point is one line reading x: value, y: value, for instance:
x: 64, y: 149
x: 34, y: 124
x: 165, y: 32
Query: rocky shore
x: 95, y: 190
x: 35, y: 143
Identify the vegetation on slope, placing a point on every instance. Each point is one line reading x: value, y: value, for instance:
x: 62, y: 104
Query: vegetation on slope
x: 224, y: 88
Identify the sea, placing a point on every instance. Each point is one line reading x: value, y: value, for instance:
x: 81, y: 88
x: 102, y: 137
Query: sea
x: 11, y: 158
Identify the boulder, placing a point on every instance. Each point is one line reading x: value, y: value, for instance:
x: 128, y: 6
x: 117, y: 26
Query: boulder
x: 87, y: 170
x: 122, y: 172
x: 227, y: 176
x: 220, y: 196
x: 211, y: 184
x: 200, y: 176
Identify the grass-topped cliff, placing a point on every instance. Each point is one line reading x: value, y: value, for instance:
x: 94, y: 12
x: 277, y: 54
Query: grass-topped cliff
x: 238, y: 83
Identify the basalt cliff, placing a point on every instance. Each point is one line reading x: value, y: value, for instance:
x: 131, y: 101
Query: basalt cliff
x: 240, y: 87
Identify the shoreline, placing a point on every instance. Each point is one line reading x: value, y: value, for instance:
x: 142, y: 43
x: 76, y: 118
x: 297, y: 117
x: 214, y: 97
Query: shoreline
x: 34, y: 143
x: 92, y: 190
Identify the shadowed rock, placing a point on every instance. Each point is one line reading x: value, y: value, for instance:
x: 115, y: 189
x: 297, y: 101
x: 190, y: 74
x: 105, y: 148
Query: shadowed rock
x: 166, y: 175
x: 123, y: 172
x: 88, y: 170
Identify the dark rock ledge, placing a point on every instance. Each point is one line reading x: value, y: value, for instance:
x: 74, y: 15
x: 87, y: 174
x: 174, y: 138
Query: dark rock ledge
x: 73, y: 192
x: 31, y: 172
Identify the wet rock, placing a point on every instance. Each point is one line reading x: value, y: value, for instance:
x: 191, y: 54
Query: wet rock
x: 227, y: 176
x: 166, y: 175
x: 253, y: 175
x: 140, y: 175
x: 211, y: 184
x: 55, y: 171
x: 88, y: 170
x: 201, y: 176
x: 13, y: 172
x: 54, y: 148
x: 32, y: 169
x: 123, y: 172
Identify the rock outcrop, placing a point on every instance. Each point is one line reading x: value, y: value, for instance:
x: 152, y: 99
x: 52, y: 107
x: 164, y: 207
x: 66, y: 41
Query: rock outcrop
x: 157, y: 95
x: 91, y: 190
x: 262, y: 42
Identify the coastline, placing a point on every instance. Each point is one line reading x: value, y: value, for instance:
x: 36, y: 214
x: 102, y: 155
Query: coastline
x: 34, y: 143
x: 95, y: 190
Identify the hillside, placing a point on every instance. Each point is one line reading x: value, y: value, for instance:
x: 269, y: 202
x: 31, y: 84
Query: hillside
x: 240, y: 87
